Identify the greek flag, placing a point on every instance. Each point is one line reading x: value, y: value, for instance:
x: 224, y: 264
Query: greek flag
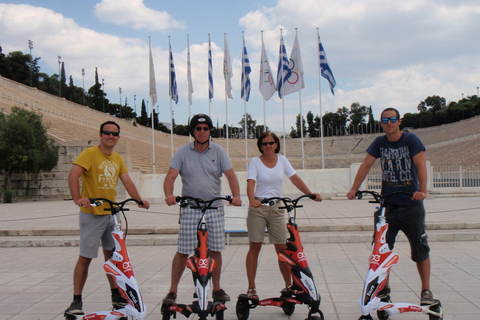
x: 283, y: 72
x: 325, y: 68
x: 245, y: 74
x: 173, y: 80
x: 210, y: 76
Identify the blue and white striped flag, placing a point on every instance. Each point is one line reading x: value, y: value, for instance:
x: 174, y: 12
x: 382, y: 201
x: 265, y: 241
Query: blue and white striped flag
x: 283, y: 72
x: 324, y: 67
x: 245, y: 94
x: 210, y: 76
x: 173, y: 81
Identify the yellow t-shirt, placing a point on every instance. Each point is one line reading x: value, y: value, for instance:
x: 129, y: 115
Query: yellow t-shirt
x: 101, y: 176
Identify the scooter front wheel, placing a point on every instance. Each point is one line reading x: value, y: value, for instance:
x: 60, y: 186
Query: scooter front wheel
x: 383, y: 315
x: 242, y: 309
x: 437, y: 307
x: 317, y: 317
x: 219, y: 315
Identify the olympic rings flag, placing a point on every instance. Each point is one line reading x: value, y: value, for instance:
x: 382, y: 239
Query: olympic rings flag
x: 227, y: 68
x: 295, y: 82
x: 266, y: 83
x: 153, y: 86
x: 210, y: 76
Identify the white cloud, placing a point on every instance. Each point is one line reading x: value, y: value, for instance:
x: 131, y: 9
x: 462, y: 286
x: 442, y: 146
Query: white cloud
x: 136, y: 14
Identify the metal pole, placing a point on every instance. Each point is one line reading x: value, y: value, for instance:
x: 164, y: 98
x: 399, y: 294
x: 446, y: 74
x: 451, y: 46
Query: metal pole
x: 30, y: 46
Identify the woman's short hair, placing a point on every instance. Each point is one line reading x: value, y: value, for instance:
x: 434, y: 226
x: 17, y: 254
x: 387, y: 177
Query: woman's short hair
x: 266, y: 134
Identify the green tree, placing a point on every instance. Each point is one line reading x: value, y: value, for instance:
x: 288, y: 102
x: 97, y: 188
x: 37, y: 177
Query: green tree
x: 296, y: 133
x: 251, y: 124
x: 24, y: 145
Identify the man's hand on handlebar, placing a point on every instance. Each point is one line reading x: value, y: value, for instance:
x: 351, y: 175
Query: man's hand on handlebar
x: 351, y: 194
x: 318, y: 197
x: 83, y: 202
x: 236, y: 201
x: 419, y: 196
x: 171, y: 200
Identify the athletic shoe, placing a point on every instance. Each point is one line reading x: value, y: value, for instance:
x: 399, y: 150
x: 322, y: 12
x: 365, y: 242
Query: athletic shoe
x: 170, y: 298
x: 75, y: 308
x: 426, y: 298
x: 220, y: 295
x: 384, y: 294
x: 118, y: 301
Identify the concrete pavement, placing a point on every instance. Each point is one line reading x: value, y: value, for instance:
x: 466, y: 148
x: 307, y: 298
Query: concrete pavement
x: 38, y: 253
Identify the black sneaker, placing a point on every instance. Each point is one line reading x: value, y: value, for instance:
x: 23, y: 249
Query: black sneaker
x: 170, y: 298
x: 426, y: 298
x: 384, y: 294
x: 220, y: 295
x: 75, y: 308
x: 118, y: 301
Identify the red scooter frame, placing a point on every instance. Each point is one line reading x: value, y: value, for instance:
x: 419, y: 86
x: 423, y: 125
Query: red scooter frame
x: 382, y: 259
x: 303, y: 290
x: 202, y: 266
x: 120, y: 268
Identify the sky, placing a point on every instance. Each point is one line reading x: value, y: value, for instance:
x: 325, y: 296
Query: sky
x: 382, y: 53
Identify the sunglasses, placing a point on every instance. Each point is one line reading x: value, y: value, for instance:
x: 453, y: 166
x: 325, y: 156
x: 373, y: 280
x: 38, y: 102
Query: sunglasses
x: 114, y: 133
x: 202, y: 128
x: 392, y: 120
x: 269, y: 142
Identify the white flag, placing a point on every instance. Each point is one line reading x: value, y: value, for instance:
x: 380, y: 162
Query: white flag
x: 189, y: 75
x: 153, y: 86
x: 295, y: 82
x: 227, y: 69
x: 266, y: 83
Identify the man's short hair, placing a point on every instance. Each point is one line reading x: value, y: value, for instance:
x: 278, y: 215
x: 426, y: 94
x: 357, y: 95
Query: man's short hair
x: 109, y: 122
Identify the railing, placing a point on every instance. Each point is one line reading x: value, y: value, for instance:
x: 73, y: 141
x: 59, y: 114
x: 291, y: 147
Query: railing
x: 441, y: 177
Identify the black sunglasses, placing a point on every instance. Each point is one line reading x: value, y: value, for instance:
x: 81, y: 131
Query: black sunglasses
x: 202, y: 128
x: 392, y: 120
x: 114, y: 133
x: 269, y: 142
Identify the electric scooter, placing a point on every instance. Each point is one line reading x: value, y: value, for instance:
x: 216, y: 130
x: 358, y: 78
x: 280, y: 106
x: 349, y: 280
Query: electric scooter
x: 202, y: 266
x: 303, y: 290
x: 382, y: 259
x: 120, y: 268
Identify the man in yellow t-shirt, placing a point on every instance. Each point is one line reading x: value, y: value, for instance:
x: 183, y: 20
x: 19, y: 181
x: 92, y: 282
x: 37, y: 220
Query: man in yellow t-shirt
x: 99, y: 167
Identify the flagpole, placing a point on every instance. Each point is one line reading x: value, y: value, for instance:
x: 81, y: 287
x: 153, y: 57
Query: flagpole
x: 245, y: 107
x: 262, y: 79
x: 283, y: 105
x: 153, y: 98
x: 300, y: 107
x: 320, y: 99
x: 226, y: 94
x: 188, y: 84
x: 171, y: 114
x: 209, y: 76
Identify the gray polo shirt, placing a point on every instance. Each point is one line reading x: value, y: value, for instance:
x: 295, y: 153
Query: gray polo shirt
x: 201, y: 172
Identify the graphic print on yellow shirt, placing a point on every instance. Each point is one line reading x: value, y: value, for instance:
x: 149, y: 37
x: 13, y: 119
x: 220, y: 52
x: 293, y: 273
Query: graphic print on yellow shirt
x: 101, y: 176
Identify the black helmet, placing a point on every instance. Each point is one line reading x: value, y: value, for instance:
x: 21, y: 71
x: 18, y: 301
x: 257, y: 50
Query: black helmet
x: 198, y: 119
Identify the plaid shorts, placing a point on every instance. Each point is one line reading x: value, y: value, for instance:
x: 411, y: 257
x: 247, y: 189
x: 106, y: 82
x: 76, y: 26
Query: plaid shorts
x: 187, y: 236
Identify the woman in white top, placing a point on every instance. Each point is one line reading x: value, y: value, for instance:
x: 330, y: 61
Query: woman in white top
x: 265, y: 180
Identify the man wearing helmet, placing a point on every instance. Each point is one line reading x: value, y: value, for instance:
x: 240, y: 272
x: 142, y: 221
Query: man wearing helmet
x: 201, y: 164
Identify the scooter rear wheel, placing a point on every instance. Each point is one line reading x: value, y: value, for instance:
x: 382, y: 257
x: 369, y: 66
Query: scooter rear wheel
x: 242, y: 309
x: 288, y: 308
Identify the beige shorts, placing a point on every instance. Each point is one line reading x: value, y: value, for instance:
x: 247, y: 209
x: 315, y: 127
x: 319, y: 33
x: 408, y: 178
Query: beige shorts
x: 270, y: 217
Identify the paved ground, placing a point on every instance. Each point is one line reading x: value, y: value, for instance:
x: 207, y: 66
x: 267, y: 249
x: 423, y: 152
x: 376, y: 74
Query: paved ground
x: 37, y: 281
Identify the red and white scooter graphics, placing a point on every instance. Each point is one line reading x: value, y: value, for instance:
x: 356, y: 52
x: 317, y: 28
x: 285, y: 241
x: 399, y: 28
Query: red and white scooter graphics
x: 202, y: 265
x: 303, y: 290
x: 382, y: 259
x: 120, y: 267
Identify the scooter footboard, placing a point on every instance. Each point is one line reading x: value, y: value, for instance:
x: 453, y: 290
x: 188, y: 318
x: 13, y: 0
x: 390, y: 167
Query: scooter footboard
x: 402, y: 307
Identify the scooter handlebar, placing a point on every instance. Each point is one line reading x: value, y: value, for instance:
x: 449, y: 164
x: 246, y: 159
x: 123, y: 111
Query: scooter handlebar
x: 113, y: 205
